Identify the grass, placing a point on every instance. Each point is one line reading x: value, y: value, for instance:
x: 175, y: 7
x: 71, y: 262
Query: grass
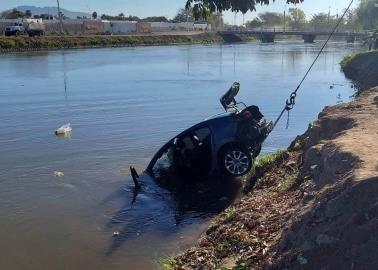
x: 63, y: 42
x: 168, y: 263
x: 261, y: 166
x: 299, y: 144
x: 230, y: 213
x: 289, y: 182
x: 269, y: 159
x: 243, y: 264
x: 347, y: 60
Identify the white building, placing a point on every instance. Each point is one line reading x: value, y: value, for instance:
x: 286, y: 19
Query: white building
x: 119, y: 27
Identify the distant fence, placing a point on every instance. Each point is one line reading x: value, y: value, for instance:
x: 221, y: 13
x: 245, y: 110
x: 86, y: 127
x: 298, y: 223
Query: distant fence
x: 78, y: 26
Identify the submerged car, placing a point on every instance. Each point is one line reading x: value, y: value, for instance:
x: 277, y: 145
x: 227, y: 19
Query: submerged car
x: 226, y: 144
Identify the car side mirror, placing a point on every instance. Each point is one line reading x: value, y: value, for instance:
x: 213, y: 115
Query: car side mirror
x: 228, y: 100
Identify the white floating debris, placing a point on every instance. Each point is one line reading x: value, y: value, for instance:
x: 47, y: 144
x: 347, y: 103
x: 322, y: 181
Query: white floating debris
x: 58, y: 174
x: 115, y: 234
x: 63, y: 130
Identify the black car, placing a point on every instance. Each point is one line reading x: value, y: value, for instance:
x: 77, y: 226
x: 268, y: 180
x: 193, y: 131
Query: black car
x: 226, y: 144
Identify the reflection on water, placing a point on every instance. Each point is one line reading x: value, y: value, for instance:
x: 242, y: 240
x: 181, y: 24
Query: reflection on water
x: 123, y: 104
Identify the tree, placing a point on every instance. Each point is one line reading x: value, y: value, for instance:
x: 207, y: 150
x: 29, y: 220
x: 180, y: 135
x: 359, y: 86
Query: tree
x: 351, y: 21
x: 94, y: 15
x: 256, y: 22
x: 216, y: 21
x: 28, y: 14
x: 119, y: 18
x: 297, y: 18
x: 184, y: 15
x: 367, y: 14
x: 13, y: 14
x: 155, y: 19
x: 271, y: 18
x: 222, y: 5
x: 321, y: 21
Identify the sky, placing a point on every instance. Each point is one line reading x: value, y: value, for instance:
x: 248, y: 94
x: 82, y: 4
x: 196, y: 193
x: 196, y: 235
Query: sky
x: 168, y: 8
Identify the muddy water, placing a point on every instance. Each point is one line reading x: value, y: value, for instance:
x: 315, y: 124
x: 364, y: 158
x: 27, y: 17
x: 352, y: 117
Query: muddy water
x: 123, y: 103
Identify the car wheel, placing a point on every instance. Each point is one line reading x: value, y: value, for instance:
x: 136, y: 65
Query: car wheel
x: 257, y: 152
x: 235, y: 161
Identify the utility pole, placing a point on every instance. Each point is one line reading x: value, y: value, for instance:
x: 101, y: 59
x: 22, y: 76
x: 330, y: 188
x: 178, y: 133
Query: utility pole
x: 284, y: 19
x: 329, y: 16
x: 60, y: 18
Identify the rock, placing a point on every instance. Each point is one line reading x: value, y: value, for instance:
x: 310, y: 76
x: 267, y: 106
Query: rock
x: 334, y: 208
x: 306, y: 198
x: 313, y: 156
x: 323, y: 239
x: 302, y: 260
x: 291, y: 163
x: 307, y: 245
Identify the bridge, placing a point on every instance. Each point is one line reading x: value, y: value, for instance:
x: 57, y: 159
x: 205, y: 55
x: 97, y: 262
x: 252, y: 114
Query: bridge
x: 268, y: 36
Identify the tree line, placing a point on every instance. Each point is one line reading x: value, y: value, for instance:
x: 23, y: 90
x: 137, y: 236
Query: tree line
x: 364, y: 17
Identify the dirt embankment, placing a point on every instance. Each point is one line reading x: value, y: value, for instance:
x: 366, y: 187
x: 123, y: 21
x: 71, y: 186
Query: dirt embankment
x: 362, y: 69
x: 24, y: 43
x: 313, y: 206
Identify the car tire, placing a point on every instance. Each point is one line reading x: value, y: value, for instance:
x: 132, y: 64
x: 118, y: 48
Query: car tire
x: 257, y: 152
x: 235, y: 161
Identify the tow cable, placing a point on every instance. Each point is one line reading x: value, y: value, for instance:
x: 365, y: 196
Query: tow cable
x: 290, y: 102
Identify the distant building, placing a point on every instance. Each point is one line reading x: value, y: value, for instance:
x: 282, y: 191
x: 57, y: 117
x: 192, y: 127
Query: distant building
x: 119, y: 27
x: 144, y: 27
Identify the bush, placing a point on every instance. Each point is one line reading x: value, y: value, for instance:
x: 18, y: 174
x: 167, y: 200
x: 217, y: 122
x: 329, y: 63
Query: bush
x: 347, y: 60
x: 7, y: 44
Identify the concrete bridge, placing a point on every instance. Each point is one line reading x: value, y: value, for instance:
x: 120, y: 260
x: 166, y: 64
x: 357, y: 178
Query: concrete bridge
x: 268, y: 36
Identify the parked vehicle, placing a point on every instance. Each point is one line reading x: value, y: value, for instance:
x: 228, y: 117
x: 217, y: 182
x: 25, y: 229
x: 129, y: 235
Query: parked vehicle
x: 35, y: 28
x: 15, y: 29
x: 227, y: 143
x: 32, y: 28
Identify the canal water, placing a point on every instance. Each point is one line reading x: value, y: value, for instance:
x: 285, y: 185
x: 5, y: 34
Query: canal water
x: 123, y: 103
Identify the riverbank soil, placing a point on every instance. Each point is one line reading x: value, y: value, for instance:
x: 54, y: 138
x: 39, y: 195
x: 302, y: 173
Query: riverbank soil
x: 362, y: 69
x: 314, y: 206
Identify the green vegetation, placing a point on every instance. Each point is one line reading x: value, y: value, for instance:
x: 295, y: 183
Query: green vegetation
x: 347, y: 60
x: 243, y: 264
x: 289, y: 182
x: 269, y: 159
x: 367, y: 14
x: 168, y: 263
x: 363, y: 17
x: 222, y: 5
x: 66, y: 42
x: 15, y: 14
x: 230, y: 213
x: 362, y: 69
